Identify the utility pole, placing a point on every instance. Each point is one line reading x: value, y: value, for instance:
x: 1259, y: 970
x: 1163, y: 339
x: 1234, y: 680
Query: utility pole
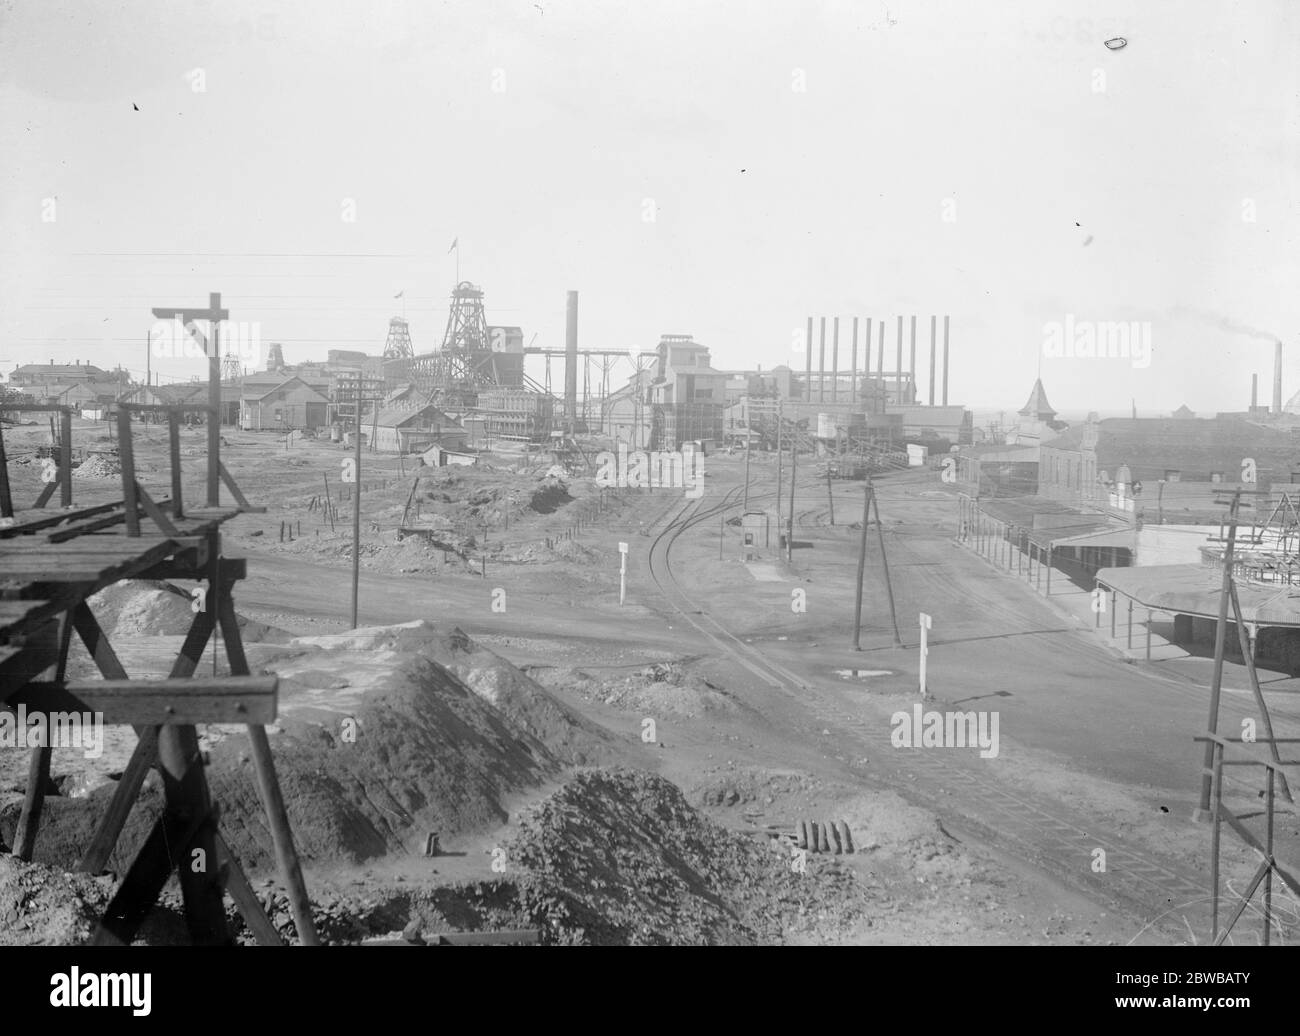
x: 214, y: 314
x: 789, y: 529
x: 870, y: 504
x: 778, y: 463
x: 830, y: 495
x: 358, y: 388
x: 356, y: 511
x: 884, y: 563
x: 1220, y: 638
x: 862, y: 567
x: 749, y: 444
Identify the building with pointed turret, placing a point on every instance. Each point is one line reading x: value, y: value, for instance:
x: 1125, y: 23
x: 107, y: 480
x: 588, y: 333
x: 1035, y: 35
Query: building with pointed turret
x: 1038, y: 423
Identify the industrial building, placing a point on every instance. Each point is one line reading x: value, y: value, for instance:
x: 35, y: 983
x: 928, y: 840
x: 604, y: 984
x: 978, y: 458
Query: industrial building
x: 1163, y: 468
x: 291, y: 404
x: 39, y: 378
x: 403, y: 429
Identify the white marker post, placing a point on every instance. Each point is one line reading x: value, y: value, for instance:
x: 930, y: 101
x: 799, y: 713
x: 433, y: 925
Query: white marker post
x: 925, y: 649
x: 622, y: 572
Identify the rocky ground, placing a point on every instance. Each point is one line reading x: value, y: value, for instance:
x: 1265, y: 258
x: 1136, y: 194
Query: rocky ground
x: 553, y: 809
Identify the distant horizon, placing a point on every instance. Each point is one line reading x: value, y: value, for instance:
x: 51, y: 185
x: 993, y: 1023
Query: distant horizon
x: 716, y: 169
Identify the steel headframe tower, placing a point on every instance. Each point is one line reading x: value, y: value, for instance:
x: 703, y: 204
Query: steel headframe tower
x: 230, y: 367
x: 465, y: 344
x: 398, y: 346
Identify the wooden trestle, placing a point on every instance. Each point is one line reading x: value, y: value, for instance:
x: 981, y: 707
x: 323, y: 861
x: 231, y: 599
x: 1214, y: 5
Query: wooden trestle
x: 50, y: 565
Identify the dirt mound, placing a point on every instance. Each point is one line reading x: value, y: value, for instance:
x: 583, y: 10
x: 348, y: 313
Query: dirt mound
x: 521, y: 700
x: 572, y: 738
x: 137, y: 607
x: 44, y: 907
x: 388, y: 733
x: 99, y: 466
x: 617, y: 857
x: 428, y: 755
x: 550, y: 495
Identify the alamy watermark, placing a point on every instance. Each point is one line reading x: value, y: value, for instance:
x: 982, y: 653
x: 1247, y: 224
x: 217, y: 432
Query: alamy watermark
x: 652, y: 469
x: 917, y: 729
x: 84, y: 730
x: 175, y: 340
x: 130, y: 989
x: 1102, y: 340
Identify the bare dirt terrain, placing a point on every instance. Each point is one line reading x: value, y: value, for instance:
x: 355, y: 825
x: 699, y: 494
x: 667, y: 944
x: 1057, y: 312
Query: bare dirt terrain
x: 634, y: 773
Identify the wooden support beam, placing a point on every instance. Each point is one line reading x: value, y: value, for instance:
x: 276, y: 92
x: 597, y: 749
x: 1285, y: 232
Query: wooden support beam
x: 268, y: 786
x: 174, y: 451
x: 245, y: 898
x: 165, y: 850
x: 119, y: 808
x: 32, y: 525
x: 153, y: 703
x: 126, y: 459
x: 65, y: 458
x: 236, y: 492
x: 6, y: 496
x: 48, y: 489
x: 155, y: 512
x: 38, y: 772
x: 232, y: 569
x: 20, y: 663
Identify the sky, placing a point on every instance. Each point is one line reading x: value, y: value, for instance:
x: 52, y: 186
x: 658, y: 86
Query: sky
x: 719, y: 168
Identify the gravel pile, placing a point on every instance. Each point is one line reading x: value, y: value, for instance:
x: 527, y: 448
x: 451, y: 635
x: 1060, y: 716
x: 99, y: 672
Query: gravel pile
x: 619, y: 857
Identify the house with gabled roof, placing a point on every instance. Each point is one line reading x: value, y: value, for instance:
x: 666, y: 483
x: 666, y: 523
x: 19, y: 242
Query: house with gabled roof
x: 290, y: 404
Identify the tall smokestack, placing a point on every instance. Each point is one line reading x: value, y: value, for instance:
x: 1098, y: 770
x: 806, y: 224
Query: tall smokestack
x: 1277, y: 379
x: 1254, y: 391
x: 945, y: 361
x: 933, y: 319
x: 880, y: 359
x: 835, y: 362
x: 571, y: 361
x: 912, y: 363
x: 821, y: 364
x: 898, y: 365
x: 807, y: 372
x: 853, y: 363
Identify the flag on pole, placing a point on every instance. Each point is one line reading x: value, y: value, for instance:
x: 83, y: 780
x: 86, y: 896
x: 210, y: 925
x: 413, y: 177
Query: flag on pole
x: 454, y: 243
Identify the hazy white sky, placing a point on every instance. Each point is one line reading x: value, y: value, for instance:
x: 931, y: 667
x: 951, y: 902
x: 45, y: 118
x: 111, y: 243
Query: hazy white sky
x: 799, y: 159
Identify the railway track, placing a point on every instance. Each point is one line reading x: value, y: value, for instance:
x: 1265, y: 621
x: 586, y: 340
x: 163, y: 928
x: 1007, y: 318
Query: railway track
x: 1025, y: 824
x: 687, y: 517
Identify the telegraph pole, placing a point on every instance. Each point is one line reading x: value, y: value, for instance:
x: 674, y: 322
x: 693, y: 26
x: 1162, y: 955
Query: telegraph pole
x: 749, y: 444
x: 862, y: 566
x: 214, y: 314
x: 789, y: 529
x: 884, y: 562
x: 869, y: 503
x: 778, y: 463
x: 358, y: 395
x: 356, y: 511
